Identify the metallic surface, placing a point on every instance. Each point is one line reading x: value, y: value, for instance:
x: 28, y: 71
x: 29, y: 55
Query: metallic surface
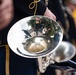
x: 35, y: 36
x: 64, y: 52
x: 40, y: 37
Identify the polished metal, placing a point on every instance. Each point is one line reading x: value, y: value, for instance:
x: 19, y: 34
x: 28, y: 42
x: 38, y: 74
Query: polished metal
x: 37, y: 44
x: 64, y: 52
x: 40, y: 37
x: 35, y: 36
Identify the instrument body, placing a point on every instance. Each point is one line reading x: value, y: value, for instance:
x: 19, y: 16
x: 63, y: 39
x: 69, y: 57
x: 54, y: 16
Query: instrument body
x: 37, y: 37
x: 34, y: 36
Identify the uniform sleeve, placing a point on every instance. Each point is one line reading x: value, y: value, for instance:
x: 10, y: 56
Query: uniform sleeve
x: 23, y: 6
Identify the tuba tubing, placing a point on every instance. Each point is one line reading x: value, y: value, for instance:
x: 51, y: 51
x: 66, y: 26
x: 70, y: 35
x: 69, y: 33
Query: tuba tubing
x: 63, y: 55
x: 60, y: 57
x: 69, y: 63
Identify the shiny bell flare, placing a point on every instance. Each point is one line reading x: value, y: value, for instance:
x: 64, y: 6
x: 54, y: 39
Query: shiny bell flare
x: 34, y: 36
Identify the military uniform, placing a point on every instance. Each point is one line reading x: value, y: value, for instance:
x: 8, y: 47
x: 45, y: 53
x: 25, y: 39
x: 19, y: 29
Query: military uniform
x: 10, y: 63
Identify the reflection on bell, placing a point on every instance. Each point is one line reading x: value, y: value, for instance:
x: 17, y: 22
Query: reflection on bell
x: 35, y: 36
x: 60, y: 54
x: 36, y: 44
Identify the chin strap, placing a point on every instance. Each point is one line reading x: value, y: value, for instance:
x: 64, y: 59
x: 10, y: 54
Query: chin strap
x: 33, y: 5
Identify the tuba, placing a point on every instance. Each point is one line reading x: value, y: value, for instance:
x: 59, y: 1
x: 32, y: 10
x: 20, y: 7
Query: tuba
x: 39, y: 37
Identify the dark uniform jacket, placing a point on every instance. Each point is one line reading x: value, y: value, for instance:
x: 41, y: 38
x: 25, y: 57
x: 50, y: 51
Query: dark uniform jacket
x: 10, y: 63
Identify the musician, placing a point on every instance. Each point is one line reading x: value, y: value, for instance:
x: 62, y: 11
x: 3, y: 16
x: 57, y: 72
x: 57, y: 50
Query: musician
x: 67, y: 23
x: 10, y: 63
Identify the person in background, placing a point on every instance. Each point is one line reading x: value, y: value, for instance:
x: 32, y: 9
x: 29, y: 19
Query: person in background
x: 10, y: 12
x: 6, y: 13
x: 71, y: 8
x: 68, y: 7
